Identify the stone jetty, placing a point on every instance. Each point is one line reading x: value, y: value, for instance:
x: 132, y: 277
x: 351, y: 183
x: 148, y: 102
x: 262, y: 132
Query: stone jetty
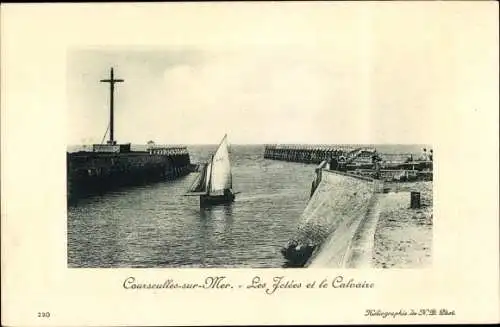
x: 90, y: 173
x: 341, y: 220
x: 348, y: 194
x: 110, y: 165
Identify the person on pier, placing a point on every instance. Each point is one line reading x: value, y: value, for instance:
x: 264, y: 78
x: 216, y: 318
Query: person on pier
x: 424, y: 156
x: 334, y: 164
x: 376, y: 164
x: 341, y: 163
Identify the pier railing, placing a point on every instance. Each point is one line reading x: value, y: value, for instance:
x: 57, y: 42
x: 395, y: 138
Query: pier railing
x: 171, y: 150
x: 97, y: 172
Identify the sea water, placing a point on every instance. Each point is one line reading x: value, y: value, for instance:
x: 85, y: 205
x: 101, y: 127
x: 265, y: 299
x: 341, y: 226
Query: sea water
x: 157, y: 226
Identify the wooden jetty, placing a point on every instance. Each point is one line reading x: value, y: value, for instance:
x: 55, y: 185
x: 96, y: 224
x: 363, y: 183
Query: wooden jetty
x: 111, y: 165
x: 362, y: 161
x: 305, y: 153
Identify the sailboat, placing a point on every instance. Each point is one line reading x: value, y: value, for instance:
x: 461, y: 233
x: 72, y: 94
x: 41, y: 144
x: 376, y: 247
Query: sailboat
x: 214, y: 184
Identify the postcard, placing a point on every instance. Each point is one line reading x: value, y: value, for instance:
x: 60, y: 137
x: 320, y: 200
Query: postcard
x: 249, y: 163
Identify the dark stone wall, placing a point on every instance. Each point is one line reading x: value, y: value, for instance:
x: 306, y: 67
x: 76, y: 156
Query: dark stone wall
x: 91, y: 173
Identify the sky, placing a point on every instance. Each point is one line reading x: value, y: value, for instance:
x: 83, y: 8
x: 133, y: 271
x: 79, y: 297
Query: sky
x: 369, y: 84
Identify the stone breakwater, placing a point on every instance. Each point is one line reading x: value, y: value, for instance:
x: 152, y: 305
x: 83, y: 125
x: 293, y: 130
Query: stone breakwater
x: 91, y: 173
x: 355, y: 222
x: 333, y: 215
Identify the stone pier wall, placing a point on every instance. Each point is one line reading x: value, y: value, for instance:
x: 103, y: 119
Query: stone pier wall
x: 91, y: 173
x: 334, y: 210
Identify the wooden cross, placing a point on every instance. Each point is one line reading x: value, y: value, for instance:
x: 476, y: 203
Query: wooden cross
x: 111, y: 82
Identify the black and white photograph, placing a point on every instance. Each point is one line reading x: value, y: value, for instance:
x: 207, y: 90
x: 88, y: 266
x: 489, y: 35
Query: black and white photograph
x: 247, y: 159
x: 168, y: 165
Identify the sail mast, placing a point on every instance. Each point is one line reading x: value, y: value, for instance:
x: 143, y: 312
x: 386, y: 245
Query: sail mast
x: 230, y: 170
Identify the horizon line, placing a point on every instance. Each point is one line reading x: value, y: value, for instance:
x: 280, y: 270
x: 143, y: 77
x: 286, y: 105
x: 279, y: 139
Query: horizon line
x: 266, y: 143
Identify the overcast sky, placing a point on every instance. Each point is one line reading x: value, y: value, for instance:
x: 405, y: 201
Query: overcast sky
x: 371, y: 84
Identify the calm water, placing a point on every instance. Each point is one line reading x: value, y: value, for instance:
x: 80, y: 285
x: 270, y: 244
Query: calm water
x: 156, y: 226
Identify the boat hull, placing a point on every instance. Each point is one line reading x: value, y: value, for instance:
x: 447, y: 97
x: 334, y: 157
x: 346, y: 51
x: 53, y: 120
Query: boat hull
x: 210, y: 200
x: 297, y: 255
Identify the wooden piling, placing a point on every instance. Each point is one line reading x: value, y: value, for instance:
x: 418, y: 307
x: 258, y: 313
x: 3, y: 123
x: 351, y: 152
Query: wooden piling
x: 415, y: 200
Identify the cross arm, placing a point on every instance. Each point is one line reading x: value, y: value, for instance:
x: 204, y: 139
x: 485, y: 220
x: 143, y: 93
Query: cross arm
x: 112, y: 80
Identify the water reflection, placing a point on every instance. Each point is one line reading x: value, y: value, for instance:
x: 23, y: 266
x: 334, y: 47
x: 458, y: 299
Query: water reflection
x: 219, y: 218
x: 156, y: 226
x: 217, y: 211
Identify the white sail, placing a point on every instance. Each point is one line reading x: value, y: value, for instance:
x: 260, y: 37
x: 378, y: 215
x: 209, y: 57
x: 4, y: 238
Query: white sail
x: 221, y: 169
x: 200, y: 183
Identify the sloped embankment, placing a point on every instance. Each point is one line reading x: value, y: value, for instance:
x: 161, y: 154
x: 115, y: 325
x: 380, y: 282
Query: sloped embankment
x: 332, y: 216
